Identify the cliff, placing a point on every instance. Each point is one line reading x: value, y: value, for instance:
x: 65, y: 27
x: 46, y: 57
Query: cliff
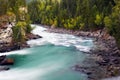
x: 5, y: 35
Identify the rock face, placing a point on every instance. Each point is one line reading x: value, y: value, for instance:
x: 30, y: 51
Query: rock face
x: 106, y: 55
x: 32, y: 36
x: 7, y: 61
x: 5, y: 35
x: 5, y: 38
x: 2, y: 58
x: 5, y: 41
x: 6, y: 46
x: 2, y: 68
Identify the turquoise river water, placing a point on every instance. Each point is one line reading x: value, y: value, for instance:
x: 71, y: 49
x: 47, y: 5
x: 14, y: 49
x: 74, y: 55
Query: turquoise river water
x: 49, y: 58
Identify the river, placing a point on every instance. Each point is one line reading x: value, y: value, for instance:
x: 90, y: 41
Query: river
x: 49, y: 58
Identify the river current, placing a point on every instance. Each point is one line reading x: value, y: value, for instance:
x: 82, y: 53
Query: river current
x: 49, y: 58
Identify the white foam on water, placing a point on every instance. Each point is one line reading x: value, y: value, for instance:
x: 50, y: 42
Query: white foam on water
x: 27, y: 74
x: 19, y: 52
x: 16, y: 74
x: 83, y: 48
x: 58, y: 39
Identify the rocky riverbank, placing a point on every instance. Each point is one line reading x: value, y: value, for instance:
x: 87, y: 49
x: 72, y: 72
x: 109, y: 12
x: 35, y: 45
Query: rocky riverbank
x: 104, y: 60
x: 6, y: 45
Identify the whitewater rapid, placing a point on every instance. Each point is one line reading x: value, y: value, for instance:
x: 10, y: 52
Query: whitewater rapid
x: 67, y: 40
x: 49, y: 58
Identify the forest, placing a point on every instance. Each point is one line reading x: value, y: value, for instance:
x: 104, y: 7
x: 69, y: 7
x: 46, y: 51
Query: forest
x: 52, y: 37
x: 87, y: 15
x: 15, y: 11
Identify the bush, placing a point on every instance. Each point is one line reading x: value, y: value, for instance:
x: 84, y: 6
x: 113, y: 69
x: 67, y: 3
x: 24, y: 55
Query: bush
x: 19, y: 32
x: 98, y: 20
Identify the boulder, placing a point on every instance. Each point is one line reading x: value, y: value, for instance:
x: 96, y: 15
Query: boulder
x: 8, y: 61
x: 2, y: 58
x: 32, y: 36
x: 2, y: 68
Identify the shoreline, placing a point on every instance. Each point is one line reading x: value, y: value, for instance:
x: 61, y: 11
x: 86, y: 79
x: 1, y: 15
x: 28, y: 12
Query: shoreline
x: 7, y: 47
x: 104, y: 57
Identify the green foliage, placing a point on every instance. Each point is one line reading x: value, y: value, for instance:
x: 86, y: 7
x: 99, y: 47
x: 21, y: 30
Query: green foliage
x: 71, y: 14
x: 11, y: 17
x: 78, y: 14
x: 98, y: 20
x: 16, y: 11
x: 116, y: 22
x: 108, y: 22
x: 3, y: 7
x: 19, y: 31
x: 112, y: 22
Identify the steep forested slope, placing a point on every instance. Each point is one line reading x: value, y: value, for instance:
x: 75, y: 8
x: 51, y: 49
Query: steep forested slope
x: 78, y: 14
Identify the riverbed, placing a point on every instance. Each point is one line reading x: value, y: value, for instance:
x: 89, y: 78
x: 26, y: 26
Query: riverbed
x: 49, y: 58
